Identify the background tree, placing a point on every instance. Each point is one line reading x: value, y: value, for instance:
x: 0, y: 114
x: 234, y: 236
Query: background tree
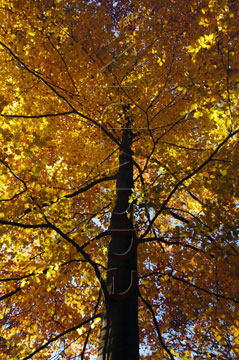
x: 107, y: 107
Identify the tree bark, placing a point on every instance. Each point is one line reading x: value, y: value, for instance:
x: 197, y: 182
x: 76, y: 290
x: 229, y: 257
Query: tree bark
x: 119, y: 337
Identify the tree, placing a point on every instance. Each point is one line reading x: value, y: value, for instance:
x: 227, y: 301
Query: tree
x: 119, y: 179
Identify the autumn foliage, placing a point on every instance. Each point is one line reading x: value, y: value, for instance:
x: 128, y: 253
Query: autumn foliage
x: 74, y: 75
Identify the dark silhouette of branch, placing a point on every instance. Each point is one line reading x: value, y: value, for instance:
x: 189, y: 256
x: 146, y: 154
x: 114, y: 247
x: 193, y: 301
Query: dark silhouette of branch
x: 10, y: 294
x: 178, y: 217
x: 175, y: 242
x: 194, y: 172
x: 53, y: 89
x: 11, y: 171
x: 76, y: 246
x: 37, y: 116
x: 156, y: 327
x: 14, y: 196
x: 25, y: 226
x: 87, y: 187
x: 61, y: 335
x: 209, y: 292
x: 89, y: 331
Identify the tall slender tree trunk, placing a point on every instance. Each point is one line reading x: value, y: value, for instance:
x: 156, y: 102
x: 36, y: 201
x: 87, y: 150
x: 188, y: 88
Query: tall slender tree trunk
x: 119, y: 338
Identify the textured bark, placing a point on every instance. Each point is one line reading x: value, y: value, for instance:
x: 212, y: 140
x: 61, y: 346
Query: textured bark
x: 119, y: 338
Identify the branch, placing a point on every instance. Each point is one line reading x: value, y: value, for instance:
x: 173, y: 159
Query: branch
x: 193, y: 285
x: 45, y: 271
x: 9, y: 168
x: 176, y: 178
x: 77, y: 247
x: 162, y: 239
x: 36, y: 75
x: 14, y: 196
x: 204, y: 290
x: 97, y: 237
x: 200, y: 221
x: 156, y: 327
x: 87, y: 187
x: 186, y: 178
x: 10, y: 294
x: 18, y: 278
x: 181, y: 146
x: 178, y: 217
x: 60, y: 335
x: 65, y: 64
x: 25, y: 226
x: 89, y: 331
x: 37, y: 116
x: 39, y: 77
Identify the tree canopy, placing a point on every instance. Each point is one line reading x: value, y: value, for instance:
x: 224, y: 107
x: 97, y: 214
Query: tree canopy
x: 75, y: 77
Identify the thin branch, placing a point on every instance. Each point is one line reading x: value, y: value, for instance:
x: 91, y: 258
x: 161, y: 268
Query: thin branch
x: 11, y: 171
x: 61, y: 335
x: 37, y: 116
x: 10, y: 294
x: 45, y: 82
x: 202, y: 223
x: 186, y: 178
x: 97, y: 237
x: 156, y: 327
x: 209, y: 292
x: 181, y: 146
x: 77, y: 247
x: 36, y: 75
x: 18, y: 278
x: 87, y: 187
x: 205, y: 290
x: 155, y: 100
x: 167, y: 242
x: 178, y: 217
x: 25, y: 226
x: 65, y: 64
x: 14, y: 196
x: 176, y: 178
x: 89, y: 331
x: 228, y: 88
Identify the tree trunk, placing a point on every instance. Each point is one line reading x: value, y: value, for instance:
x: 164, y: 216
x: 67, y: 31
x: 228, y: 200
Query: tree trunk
x: 119, y: 338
